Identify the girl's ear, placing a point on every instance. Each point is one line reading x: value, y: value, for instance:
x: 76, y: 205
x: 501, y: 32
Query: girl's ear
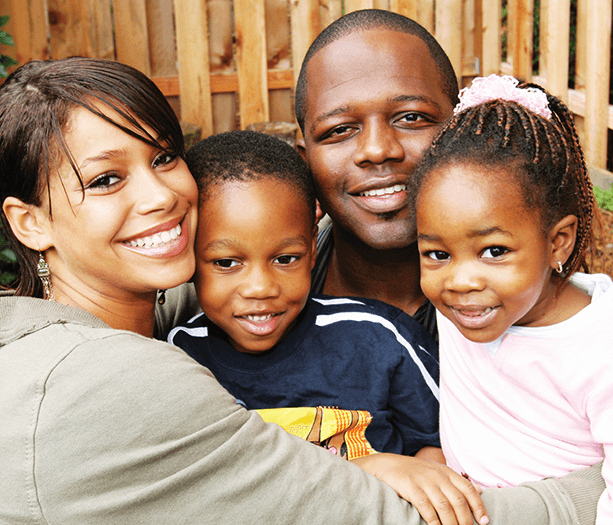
x: 563, y: 236
x: 29, y: 223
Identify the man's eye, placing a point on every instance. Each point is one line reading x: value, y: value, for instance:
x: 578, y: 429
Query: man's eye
x: 286, y: 259
x: 494, y: 251
x: 438, y: 255
x: 226, y: 263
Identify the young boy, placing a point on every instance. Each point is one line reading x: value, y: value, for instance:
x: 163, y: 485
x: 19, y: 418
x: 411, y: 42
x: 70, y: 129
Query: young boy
x: 261, y: 334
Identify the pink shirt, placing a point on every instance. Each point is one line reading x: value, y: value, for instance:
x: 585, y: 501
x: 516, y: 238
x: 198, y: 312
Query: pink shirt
x: 538, y: 402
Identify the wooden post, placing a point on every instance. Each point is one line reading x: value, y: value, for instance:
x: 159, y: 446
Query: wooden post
x: 329, y: 11
x: 161, y: 38
x: 304, y: 16
x: 407, y: 8
x: 490, y: 40
x: 598, y: 27
x: 194, y: 71
x: 425, y: 14
x: 278, y: 53
x: 554, y: 47
x: 250, y: 31
x: 522, y: 38
x: 131, y: 34
x: 356, y: 5
x: 449, y: 31
x: 29, y: 22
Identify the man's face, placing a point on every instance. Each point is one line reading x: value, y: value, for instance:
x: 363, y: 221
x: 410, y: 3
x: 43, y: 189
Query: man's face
x: 374, y: 105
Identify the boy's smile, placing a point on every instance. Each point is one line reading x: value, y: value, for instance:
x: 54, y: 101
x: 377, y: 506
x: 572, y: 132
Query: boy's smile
x: 255, y: 249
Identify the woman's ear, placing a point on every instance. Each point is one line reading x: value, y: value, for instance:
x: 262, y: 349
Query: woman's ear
x: 563, y: 236
x: 29, y: 223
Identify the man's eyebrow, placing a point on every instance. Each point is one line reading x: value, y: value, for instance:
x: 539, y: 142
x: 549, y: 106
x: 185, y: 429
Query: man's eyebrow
x: 332, y: 113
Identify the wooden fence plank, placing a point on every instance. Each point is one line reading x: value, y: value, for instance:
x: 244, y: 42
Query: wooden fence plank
x: 490, y: 51
x: 102, y: 42
x: 554, y: 47
x: 278, y: 56
x: 11, y: 51
x: 449, y: 32
x: 250, y: 34
x: 161, y: 33
x: 193, y: 55
x: 329, y: 11
x: 581, y: 46
x: 598, y: 27
x: 356, y: 5
x: 304, y: 16
x: 131, y: 34
x: 407, y: 8
x: 522, y: 16
x: 29, y: 20
x: 425, y: 14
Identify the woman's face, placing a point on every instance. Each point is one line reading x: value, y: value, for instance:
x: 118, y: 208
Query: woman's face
x: 131, y: 231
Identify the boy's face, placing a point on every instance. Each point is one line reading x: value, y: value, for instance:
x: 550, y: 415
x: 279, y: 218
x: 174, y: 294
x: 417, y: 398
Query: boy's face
x: 255, y: 248
x: 374, y: 105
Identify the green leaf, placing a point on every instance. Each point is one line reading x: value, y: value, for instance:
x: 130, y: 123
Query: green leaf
x: 3, y: 20
x: 6, y: 39
x: 8, y: 256
x: 604, y: 198
x: 7, y: 61
x: 6, y: 278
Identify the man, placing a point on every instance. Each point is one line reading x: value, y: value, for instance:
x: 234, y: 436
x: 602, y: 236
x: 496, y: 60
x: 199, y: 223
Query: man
x: 374, y: 89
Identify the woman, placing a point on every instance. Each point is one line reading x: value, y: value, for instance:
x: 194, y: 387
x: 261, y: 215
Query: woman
x: 101, y: 423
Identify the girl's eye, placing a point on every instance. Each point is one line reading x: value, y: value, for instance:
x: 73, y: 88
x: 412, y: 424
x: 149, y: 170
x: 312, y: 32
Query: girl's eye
x: 104, y: 181
x: 494, y: 251
x: 286, y: 259
x: 165, y: 159
x: 226, y: 263
x: 437, y: 255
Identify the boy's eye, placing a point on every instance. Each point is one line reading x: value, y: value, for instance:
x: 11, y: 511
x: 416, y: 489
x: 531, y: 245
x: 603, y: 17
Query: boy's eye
x: 494, y: 251
x: 104, y: 181
x: 226, y: 263
x: 437, y: 255
x: 286, y: 259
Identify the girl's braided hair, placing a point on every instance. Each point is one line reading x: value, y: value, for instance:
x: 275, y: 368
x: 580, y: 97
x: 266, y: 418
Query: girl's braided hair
x: 544, y: 154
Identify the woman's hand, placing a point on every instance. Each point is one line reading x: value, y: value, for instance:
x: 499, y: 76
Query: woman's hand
x: 441, y: 496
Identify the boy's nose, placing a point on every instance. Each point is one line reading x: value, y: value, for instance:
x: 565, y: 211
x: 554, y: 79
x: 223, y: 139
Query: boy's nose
x: 260, y: 284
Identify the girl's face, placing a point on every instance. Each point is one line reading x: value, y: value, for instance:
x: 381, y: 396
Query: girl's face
x: 132, y: 230
x: 485, y: 261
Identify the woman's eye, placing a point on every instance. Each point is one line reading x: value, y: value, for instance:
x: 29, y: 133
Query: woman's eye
x: 494, y: 251
x: 226, y: 263
x: 165, y: 159
x: 437, y: 255
x: 286, y: 259
x: 104, y: 181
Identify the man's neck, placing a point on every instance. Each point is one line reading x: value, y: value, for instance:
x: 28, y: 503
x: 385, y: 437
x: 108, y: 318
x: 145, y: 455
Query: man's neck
x: 391, y: 276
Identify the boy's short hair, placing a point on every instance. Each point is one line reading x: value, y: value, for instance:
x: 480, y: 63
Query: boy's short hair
x: 245, y: 156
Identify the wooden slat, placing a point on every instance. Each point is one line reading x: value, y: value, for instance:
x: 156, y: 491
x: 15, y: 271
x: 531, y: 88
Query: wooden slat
x: 580, y: 49
x: 425, y: 14
x: 491, y: 37
x: 250, y: 33
x: 131, y: 34
x: 522, y: 16
x: 356, y: 5
x: 449, y: 31
x: 329, y: 11
x: 407, y: 8
x: 554, y: 47
x: 6, y: 10
x: 193, y: 55
x: 29, y: 22
x: 278, y: 56
x: 304, y: 16
x: 598, y: 27
x: 163, y: 61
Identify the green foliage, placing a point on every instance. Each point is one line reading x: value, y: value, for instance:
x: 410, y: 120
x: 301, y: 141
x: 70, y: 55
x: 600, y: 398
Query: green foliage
x: 604, y: 198
x: 7, y: 255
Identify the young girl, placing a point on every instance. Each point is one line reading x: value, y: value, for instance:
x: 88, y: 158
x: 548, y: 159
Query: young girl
x: 504, y: 214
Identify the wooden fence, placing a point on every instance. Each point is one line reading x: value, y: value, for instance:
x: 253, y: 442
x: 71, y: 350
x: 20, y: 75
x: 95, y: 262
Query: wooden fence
x: 228, y: 63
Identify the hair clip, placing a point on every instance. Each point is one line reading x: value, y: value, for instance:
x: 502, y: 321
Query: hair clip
x: 495, y: 87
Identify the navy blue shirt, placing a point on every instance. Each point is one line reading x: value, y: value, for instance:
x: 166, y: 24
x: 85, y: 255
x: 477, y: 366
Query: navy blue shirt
x: 354, y: 354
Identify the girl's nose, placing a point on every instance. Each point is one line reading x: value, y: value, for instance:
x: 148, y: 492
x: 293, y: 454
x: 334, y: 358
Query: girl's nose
x: 465, y: 277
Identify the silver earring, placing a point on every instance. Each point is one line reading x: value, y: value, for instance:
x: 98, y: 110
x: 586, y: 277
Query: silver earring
x: 45, y: 277
x: 560, y: 268
x: 162, y: 297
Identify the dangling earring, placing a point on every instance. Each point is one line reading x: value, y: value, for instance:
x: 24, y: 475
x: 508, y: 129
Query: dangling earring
x: 45, y: 277
x: 560, y: 268
x: 162, y: 297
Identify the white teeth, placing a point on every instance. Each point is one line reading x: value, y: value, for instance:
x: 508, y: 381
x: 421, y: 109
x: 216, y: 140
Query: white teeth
x: 384, y: 191
x: 158, y: 238
x: 487, y: 310
x: 259, y: 318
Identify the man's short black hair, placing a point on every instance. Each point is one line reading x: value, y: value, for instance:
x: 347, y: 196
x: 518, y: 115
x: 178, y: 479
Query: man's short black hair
x: 245, y: 156
x: 365, y: 20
